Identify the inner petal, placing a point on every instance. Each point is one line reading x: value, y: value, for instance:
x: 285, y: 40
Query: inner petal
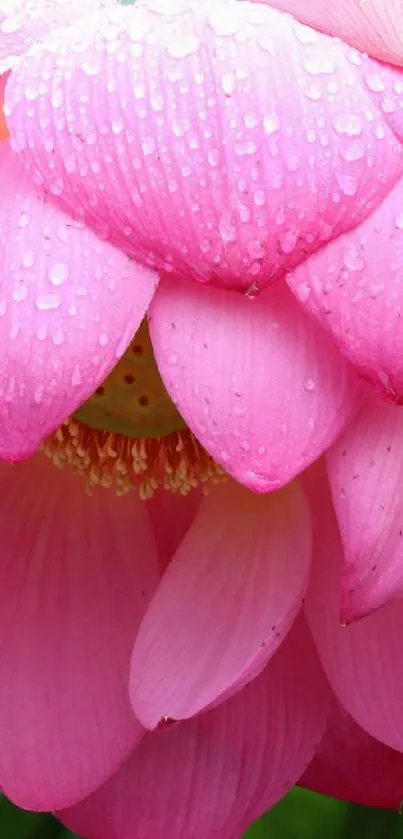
x: 129, y: 434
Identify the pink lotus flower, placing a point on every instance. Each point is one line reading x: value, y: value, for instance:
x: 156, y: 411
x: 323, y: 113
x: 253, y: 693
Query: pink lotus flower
x: 171, y: 666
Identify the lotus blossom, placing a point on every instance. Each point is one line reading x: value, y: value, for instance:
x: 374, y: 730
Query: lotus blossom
x: 201, y: 290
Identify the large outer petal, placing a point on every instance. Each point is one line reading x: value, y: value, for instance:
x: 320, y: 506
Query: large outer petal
x: 261, y: 387
x: 76, y: 573
x: 373, y: 26
x: 363, y: 660
x: 352, y: 765
x: 354, y: 287
x: 229, y: 596
x: 366, y: 477
x: 69, y: 305
x: 23, y: 22
x: 217, y: 139
x: 210, y: 777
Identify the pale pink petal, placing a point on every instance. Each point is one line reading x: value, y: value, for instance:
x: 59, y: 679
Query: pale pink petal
x: 351, y: 765
x: 76, y: 574
x: 362, y: 660
x: 373, y: 26
x: 3, y: 126
x: 227, y: 599
x: 171, y: 515
x: 353, y: 286
x: 23, y: 22
x: 69, y: 305
x: 229, y: 171
x: 210, y: 777
x: 260, y: 386
x: 366, y: 477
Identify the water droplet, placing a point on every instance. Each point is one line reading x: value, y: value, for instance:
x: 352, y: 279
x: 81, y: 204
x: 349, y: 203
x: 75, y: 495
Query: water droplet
x: 271, y: 124
x: 181, y: 48
x: 58, y: 337
x: 399, y: 221
x: 347, y: 124
x: 259, y: 197
x: 375, y: 82
x: 347, y: 183
x: 58, y: 273
x: 353, y: 259
x: 28, y: 259
x: 309, y: 385
x: 173, y: 358
x: 228, y: 83
x: 44, y: 302
x: 20, y: 293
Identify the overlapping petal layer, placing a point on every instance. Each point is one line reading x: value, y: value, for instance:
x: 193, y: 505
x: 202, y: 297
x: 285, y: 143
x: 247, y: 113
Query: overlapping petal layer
x: 69, y: 305
x: 353, y: 286
x: 75, y: 580
x: 363, y: 660
x: 351, y: 765
x: 373, y: 27
x: 202, y: 166
x: 225, y: 603
x: 262, y: 388
x: 210, y: 777
x: 366, y: 477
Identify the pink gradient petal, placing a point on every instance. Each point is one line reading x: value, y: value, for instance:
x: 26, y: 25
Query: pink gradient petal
x: 210, y: 777
x: 69, y: 305
x: 366, y: 477
x: 260, y: 386
x: 23, y: 22
x: 375, y: 27
x: 225, y: 603
x: 171, y: 515
x: 231, y: 171
x: 357, y: 294
x: 3, y: 126
x: 76, y: 574
x: 351, y: 765
x: 362, y: 660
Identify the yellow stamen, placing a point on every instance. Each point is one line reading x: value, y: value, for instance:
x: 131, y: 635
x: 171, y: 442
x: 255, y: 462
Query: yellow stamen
x: 130, y: 435
x: 175, y: 461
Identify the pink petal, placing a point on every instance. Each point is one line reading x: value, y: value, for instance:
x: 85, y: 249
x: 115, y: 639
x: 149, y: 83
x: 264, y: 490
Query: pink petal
x: 171, y: 515
x: 229, y: 171
x: 373, y: 27
x: 357, y: 294
x: 363, y: 660
x: 351, y: 765
x: 22, y: 23
x: 69, y: 305
x: 229, y: 596
x: 210, y: 777
x: 3, y: 126
x: 366, y: 478
x: 260, y: 386
x: 76, y: 574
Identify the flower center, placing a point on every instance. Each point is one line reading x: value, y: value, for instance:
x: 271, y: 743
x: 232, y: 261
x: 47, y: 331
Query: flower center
x: 129, y: 434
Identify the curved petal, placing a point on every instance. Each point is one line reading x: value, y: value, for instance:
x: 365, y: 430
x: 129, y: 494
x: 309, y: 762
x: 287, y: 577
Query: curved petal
x: 362, y: 660
x: 228, y: 171
x: 225, y: 603
x: 171, y: 515
x: 374, y: 27
x: 76, y: 573
x: 357, y: 294
x: 23, y: 23
x: 69, y: 306
x: 260, y: 386
x: 210, y: 777
x: 366, y: 476
x: 351, y: 765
